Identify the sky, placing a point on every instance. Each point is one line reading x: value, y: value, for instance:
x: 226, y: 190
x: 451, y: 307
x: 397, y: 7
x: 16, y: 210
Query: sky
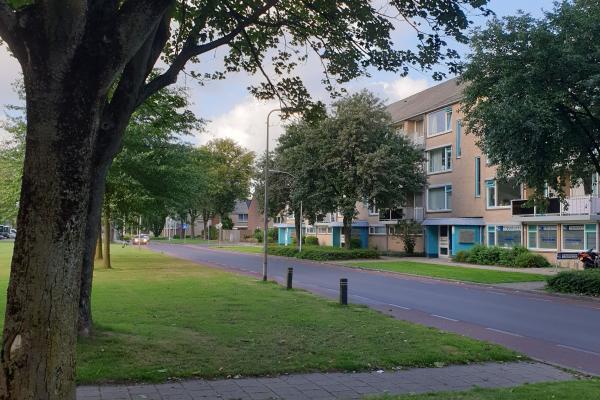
x: 230, y: 111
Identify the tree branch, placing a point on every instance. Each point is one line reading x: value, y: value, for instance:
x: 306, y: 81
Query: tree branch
x: 136, y: 20
x: 191, y: 49
x: 8, y: 27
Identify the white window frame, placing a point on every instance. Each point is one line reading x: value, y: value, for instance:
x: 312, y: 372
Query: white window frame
x: 495, y: 230
x: 373, y: 210
x: 326, y: 228
x: 586, y: 244
x: 448, y: 111
x: 495, y: 207
x: 446, y: 159
x: 240, y: 219
x: 537, y: 238
x: 309, y: 229
x: 445, y: 186
x: 374, y: 233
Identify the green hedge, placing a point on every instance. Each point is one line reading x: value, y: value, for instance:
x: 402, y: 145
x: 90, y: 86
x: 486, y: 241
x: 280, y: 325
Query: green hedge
x: 580, y: 282
x: 311, y: 241
x: 517, y: 257
x: 322, y: 253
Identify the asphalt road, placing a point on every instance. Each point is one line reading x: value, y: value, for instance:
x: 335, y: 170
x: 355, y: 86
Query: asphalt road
x: 561, y: 331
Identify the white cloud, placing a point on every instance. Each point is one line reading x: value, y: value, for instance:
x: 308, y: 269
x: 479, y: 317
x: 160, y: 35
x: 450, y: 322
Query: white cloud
x: 246, y: 123
x: 400, y: 88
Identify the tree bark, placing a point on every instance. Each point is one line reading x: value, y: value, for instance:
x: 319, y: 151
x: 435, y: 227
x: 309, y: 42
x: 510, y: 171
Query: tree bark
x: 347, y: 230
x: 39, y: 338
x: 99, y: 243
x: 107, y: 238
x: 193, y: 225
x: 297, y: 218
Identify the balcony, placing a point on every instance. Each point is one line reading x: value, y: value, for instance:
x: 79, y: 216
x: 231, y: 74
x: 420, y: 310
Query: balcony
x: 574, y: 208
x: 398, y: 214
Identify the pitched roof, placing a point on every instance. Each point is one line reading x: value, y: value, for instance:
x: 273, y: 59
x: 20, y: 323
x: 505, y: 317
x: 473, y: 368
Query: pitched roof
x: 431, y: 99
x: 241, y: 207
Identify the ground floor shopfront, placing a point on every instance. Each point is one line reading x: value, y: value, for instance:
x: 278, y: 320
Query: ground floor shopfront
x: 444, y: 237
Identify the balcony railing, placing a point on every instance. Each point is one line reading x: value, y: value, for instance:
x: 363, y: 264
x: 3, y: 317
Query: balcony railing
x: 573, y: 206
x: 412, y: 213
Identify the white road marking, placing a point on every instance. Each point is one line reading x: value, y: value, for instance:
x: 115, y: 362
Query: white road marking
x: 504, y: 332
x: 564, y: 346
x: 498, y: 293
x: 446, y: 318
x: 396, y: 305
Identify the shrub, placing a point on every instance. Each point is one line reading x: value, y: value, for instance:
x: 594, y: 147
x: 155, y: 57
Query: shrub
x: 258, y: 235
x: 322, y: 253
x: 311, y: 241
x: 531, y: 260
x: 226, y: 223
x: 580, y: 282
x: 461, y: 256
x: 407, y: 231
x: 273, y: 234
x: 508, y: 257
x: 212, y: 233
x: 355, y: 243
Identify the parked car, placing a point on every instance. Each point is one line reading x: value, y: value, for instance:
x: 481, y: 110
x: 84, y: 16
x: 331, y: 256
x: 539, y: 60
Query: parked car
x: 12, y: 234
x: 4, y: 231
x: 140, y: 239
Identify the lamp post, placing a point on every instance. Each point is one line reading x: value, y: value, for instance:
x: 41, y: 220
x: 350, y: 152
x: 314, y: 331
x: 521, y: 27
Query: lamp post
x: 266, y: 205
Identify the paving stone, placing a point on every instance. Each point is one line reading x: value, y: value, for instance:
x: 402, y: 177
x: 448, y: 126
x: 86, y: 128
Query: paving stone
x: 334, y: 386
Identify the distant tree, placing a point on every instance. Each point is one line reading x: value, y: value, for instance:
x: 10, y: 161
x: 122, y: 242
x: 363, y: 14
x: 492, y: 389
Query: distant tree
x: 231, y: 171
x: 12, y: 153
x: 354, y: 155
x: 532, y: 97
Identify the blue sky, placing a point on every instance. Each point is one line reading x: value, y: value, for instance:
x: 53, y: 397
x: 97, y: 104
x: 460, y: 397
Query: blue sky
x: 232, y: 112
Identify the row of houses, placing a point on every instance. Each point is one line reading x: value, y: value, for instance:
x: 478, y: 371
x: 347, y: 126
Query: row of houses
x: 463, y: 203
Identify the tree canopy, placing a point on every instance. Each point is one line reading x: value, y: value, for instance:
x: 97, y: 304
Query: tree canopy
x: 532, y: 97
x: 351, y: 156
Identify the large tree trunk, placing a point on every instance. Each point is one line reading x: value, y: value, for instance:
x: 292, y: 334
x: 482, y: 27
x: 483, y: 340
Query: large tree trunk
x: 193, y: 225
x: 38, y: 353
x: 99, y: 243
x: 347, y: 230
x: 297, y: 218
x: 107, y: 238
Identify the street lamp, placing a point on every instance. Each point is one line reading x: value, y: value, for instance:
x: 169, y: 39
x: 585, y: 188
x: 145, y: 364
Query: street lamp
x: 266, y: 177
x: 276, y: 171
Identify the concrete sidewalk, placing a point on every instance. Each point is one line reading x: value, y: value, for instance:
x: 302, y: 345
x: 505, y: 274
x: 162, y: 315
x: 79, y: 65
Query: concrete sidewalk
x: 322, y: 386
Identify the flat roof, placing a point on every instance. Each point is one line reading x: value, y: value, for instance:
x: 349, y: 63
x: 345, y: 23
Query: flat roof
x: 428, y: 100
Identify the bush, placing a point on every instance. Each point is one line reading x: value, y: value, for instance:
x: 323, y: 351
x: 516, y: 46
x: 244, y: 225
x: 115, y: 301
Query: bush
x: 322, y: 253
x: 501, y: 256
x: 311, y: 241
x: 258, y: 235
x: 273, y: 234
x: 355, y: 243
x: 580, y: 282
x: 461, y: 256
x: 531, y: 260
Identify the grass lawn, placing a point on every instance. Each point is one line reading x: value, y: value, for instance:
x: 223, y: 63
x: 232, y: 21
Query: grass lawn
x: 572, y: 390
x: 242, y: 249
x: 450, y: 272
x: 158, y: 317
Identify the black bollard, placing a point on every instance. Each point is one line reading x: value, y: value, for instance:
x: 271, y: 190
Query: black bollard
x: 290, y: 275
x: 344, y: 291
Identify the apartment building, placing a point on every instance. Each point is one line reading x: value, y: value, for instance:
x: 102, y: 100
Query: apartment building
x: 464, y: 202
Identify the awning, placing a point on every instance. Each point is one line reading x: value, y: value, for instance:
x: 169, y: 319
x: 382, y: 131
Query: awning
x: 284, y: 225
x: 454, y: 221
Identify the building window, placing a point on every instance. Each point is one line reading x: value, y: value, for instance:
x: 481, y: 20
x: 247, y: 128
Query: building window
x: 504, y: 235
x: 500, y: 193
x: 439, y: 198
x: 458, y: 138
x: 541, y: 237
x: 578, y: 237
x: 439, y: 122
x: 440, y: 159
x: 477, y: 176
x: 310, y: 230
x: 242, y: 217
x: 323, y: 230
x: 373, y: 210
x: 376, y: 230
